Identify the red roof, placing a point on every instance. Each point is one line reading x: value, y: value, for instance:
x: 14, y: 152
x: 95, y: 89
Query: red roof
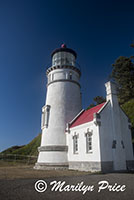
x: 86, y: 116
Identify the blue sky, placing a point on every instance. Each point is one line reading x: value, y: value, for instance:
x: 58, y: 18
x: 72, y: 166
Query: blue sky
x: 99, y: 31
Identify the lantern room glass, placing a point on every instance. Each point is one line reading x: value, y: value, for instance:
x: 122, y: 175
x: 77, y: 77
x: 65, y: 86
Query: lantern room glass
x: 63, y: 58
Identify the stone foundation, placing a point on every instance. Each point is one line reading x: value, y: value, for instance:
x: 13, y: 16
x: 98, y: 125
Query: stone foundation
x: 85, y: 166
x: 92, y: 166
x: 48, y: 166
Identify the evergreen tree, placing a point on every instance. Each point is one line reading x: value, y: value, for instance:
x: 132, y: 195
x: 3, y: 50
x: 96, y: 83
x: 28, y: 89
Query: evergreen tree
x: 91, y: 106
x: 123, y: 75
x: 132, y: 45
x: 99, y: 100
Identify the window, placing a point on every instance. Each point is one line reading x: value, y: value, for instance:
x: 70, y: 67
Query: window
x: 75, y: 144
x: 42, y: 119
x: 122, y: 143
x: 52, y: 76
x: 45, y: 116
x: 70, y: 75
x: 72, y: 59
x: 49, y: 78
x: 89, y: 141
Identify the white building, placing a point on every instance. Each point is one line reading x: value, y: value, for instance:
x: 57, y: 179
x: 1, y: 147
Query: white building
x: 98, y: 139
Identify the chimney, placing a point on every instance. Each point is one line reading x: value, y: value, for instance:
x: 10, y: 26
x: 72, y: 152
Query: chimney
x: 111, y: 92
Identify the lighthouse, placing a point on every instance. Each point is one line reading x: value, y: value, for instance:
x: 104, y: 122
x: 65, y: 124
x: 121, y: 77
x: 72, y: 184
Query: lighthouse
x: 63, y: 103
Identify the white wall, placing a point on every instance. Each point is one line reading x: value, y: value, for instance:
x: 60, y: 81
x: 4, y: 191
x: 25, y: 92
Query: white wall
x: 59, y: 74
x: 64, y: 98
x: 52, y: 157
x: 119, y: 127
x: 126, y: 135
x: 106, y: 135
x: 82, y: 155
x: 65, y: 103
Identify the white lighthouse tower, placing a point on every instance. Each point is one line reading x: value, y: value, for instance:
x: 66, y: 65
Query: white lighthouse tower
x: 63, y: 103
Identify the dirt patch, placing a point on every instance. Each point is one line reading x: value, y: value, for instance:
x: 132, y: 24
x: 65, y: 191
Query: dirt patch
x: 26, y: 171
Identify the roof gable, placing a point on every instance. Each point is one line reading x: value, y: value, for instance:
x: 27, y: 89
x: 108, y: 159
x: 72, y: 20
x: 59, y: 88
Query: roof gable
x: 86, y: 116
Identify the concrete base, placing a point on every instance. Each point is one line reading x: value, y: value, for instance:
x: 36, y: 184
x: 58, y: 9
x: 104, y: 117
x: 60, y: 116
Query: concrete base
x: 85, y: 166
x: 48, y: 166
x: 92, y: 166
x: 107, y: 166
x: 130, y: 164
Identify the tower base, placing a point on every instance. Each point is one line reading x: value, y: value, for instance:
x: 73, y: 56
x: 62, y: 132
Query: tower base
x: 51, y: 166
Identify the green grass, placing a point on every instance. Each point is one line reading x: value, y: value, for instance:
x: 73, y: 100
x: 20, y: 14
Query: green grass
x: 12, y: 149
x: 29, y: 149
x: 128, y: 108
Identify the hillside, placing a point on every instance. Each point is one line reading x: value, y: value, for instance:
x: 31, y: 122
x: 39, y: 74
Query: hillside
x: 128, y: 108
x: 29, y: 149
x: 10, y: 150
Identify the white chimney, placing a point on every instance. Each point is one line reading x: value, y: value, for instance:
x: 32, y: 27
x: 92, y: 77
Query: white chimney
x: 111, y: 92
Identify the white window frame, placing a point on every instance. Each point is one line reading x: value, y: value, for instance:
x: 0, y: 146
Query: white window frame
x: 52, y: 77
x: 49, y: 78
x: 75, y: 144
x: 45, y: 116
x: 89, y: 141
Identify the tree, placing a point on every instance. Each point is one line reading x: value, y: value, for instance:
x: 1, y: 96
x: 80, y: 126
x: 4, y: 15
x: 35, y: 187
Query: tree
x: 132, y: 45
x: 123, y: 75
x: 91, y: 106
x: 99, y: 99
